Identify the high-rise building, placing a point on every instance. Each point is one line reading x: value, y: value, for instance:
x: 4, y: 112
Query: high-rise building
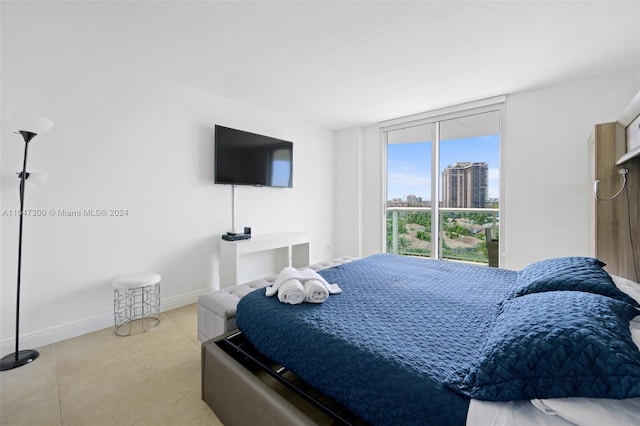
x: 465, y: 185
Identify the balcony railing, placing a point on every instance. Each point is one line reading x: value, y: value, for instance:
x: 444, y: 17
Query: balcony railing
x: 462, y: 233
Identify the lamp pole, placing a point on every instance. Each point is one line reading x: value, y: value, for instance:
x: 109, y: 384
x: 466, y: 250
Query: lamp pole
x: 19, y: 358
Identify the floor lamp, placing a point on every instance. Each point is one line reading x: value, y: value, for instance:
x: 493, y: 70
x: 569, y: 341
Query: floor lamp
x: 36, y: 126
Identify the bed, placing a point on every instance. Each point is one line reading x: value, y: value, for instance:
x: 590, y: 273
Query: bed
x: 421, y: 341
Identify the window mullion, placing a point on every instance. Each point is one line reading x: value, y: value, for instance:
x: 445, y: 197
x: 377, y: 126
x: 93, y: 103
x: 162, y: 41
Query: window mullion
x: 435, y: 195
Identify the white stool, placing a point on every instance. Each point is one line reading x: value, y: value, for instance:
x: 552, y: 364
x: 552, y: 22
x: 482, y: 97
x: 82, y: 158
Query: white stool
x: 136, y: 298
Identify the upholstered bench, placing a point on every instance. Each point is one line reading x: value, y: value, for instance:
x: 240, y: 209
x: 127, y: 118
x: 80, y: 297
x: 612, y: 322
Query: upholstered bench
x: 217, y: 309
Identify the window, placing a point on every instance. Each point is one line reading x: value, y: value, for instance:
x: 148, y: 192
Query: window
x: 443, y: 185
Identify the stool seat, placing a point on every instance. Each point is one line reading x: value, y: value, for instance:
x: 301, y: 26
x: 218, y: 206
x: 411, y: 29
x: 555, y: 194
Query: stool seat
x: 136, y: 280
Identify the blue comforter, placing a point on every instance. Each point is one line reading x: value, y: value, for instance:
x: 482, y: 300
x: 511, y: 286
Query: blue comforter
x: 385, y: 346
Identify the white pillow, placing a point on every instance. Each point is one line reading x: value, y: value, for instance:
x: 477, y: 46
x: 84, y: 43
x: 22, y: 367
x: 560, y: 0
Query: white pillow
x: 510, y: 413
x: 632, y: 288
x: 592, y: 411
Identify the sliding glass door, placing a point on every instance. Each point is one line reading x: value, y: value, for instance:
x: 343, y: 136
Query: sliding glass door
x: 409, y: 179
x: 443, y: 186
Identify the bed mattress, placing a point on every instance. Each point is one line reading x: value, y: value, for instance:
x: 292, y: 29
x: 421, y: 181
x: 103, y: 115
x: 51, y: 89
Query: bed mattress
x: 368, y: 348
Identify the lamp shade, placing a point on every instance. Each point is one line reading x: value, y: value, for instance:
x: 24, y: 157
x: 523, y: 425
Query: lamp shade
x: 23, y: 121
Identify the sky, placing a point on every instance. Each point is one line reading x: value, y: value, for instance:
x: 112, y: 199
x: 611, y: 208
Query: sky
x: 409, y: 165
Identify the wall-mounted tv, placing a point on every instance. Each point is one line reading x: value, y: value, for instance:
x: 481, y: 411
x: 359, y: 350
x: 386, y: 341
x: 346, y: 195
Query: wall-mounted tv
x: 244, y: 158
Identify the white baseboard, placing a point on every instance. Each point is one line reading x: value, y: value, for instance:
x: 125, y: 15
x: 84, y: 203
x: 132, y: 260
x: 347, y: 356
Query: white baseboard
x: 66, y: 331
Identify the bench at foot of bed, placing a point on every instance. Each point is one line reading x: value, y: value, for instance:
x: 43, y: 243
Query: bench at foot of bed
x: 217, y: 309
x: 239, y: 386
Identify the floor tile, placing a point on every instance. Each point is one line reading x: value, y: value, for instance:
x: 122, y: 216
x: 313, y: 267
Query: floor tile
x: 150, y: 378
x: 29, y: 394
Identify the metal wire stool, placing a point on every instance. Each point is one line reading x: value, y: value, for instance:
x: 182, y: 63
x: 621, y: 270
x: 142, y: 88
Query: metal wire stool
x: 136, y: 300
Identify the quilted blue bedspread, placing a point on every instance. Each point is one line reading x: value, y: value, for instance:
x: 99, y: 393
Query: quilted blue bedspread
x: 384, y: 347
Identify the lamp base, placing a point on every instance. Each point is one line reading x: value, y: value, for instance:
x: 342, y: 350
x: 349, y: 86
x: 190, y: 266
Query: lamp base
x: 9, y: 362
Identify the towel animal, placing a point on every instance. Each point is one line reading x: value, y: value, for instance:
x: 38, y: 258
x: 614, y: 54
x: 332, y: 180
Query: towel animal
x: 315, y: 291
x: 315, y: 288
x: 292, y: 292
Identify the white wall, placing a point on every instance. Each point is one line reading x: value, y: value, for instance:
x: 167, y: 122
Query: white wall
x: 547, y: 200
x: 359, y: 211
x: 348, y: 200
x: 124, y: 139
x: 547, y: 177
x: 373, y: 204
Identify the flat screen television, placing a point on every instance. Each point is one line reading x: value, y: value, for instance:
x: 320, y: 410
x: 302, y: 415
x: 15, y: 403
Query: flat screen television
x: 244, y: 158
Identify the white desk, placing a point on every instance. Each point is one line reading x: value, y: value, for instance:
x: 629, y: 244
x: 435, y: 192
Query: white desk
x: 297, y: 244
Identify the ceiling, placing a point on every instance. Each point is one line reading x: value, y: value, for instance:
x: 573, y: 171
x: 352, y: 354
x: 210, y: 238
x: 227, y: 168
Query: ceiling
x: 344, y: 63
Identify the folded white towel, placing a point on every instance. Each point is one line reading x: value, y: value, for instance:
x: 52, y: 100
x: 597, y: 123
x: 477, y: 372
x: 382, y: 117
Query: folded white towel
x: 315, y: 291
x: 288, y: 274
x: 292, y: 292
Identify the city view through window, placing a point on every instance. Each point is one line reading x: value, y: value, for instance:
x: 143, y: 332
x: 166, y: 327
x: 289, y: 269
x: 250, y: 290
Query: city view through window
x: 465, y: 218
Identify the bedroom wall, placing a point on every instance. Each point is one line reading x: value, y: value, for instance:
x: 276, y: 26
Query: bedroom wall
x: 348, y: 213
x: 128, y: 140
x: 549, y: 191
x: 547, y: 200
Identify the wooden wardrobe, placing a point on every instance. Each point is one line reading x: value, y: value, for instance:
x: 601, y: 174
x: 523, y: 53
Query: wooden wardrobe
x: 617, y: 221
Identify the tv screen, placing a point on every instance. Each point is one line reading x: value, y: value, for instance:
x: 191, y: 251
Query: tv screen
x: 244, y: 158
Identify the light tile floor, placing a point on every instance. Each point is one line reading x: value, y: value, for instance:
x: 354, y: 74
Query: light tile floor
x: 150, y: 378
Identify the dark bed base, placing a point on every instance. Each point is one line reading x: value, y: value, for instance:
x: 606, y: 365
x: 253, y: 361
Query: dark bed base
x: 244, y: 387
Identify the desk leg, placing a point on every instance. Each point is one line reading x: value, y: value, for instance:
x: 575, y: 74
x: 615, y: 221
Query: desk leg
x: 299, y: 255
x: 228, y: 267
